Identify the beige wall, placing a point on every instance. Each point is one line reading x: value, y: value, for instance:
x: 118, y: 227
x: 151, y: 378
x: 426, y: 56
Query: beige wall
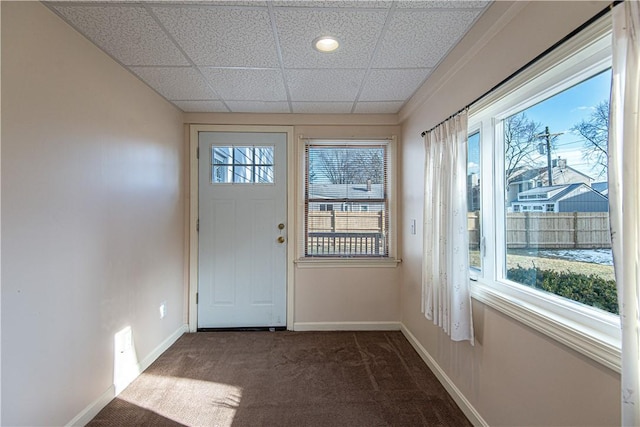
x: 331, y: 295
x: 92, y: 217
x: 513, y: 375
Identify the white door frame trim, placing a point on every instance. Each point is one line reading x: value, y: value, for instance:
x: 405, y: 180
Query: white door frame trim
x: 193, y: 211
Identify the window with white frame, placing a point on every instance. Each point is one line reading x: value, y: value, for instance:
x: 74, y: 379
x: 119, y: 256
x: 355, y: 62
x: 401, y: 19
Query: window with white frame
x: 473, y: 200
x: 347, y: 204
x: 546, y: 257
x: 241, y: 165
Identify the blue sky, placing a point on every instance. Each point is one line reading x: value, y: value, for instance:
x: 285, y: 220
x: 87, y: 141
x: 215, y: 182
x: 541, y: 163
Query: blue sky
x: 473, y: 153
x: 561, y: 112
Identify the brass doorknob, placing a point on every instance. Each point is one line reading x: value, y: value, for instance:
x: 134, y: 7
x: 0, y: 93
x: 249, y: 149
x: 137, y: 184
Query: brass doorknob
x: 281, y: 239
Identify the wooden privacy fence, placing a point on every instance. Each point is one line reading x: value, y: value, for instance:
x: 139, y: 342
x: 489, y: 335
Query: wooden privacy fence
x: 340, y: 222
x: 549, y: 230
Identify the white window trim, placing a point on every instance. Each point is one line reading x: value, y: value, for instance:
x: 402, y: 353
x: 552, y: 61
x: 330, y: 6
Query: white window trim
x: 591, y: 332
x: 474, y: 272
x: 390, y: 261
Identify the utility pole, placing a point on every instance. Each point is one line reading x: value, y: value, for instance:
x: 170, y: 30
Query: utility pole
x: 548, y: 136
x: 549, y: 168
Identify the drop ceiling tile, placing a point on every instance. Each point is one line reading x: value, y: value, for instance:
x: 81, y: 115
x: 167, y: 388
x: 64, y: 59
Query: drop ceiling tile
x: 201, y: 106
x: 378, y: 107
x: 249, y: 3
x: 222, y: 36
x: 258, y: 107
x: 426, y: 36
x: 246, y: 84
x: 182, y: 83
x: 324, y: 85
x: 357, y: 32
x: 442, y: 4
x: 127, y: 33
x: 392, y: 85
x: 361, y: 4
x: 322, y: 107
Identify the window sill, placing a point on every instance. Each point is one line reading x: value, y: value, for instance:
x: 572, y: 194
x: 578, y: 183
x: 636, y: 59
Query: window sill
x: 589, y: 340
x: 347, y: 263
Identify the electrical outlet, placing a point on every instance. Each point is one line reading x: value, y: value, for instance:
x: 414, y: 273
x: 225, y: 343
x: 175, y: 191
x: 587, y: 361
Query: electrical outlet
x: 163, y: 309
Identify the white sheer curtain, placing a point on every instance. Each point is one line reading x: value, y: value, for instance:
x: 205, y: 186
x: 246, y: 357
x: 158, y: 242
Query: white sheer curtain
x: 624, y: 200
x: 445, y: 278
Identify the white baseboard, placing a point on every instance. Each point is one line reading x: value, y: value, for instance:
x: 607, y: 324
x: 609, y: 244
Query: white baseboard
x: 92, y: 410
x: 346, y: 326
x: 96, y: 406
x: 162, y: 347
x: 466, y: 407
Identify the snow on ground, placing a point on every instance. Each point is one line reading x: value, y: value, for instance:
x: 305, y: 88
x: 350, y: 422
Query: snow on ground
x: 596, y: 256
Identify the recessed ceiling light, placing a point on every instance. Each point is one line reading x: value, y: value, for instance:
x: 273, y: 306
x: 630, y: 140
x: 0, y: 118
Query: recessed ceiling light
x: 326, y: 44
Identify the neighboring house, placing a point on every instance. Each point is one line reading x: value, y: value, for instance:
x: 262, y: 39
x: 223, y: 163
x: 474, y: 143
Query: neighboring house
x: 576, y: 197
x: 526, y: 179
x: 601, y: 187
x: 346, y: 197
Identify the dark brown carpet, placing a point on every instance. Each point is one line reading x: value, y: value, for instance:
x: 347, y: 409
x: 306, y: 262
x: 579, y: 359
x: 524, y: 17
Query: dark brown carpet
x: 285, y: 379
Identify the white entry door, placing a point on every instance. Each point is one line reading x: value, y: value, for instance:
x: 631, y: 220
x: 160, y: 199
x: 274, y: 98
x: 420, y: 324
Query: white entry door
x: 242, y: 181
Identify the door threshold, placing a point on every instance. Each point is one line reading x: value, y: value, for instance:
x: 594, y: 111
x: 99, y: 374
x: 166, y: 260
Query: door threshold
x: 245, y: 329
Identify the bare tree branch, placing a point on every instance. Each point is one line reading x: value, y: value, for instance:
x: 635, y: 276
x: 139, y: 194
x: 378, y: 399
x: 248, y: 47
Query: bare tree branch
x: 350, y: 165
x: 520, y: 143
x: 595, y: 131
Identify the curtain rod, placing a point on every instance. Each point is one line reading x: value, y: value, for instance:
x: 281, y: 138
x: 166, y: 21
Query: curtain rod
x: 449, y: 118
x: 528, y: 64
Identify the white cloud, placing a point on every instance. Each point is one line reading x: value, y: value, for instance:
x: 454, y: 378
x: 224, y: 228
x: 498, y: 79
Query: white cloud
x: 584, y: 108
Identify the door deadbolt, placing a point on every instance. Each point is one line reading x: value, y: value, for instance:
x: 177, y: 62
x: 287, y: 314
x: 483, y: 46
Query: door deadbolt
x: 281, y: 226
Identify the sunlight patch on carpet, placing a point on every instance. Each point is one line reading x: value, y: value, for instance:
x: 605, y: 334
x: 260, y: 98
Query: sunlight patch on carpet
x: 181, y: 399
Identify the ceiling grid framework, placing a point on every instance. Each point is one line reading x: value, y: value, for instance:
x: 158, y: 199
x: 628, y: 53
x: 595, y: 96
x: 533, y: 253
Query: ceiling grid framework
x: 257, y: 56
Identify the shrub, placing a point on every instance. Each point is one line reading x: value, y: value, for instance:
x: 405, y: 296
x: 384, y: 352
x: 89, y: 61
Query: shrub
x: 587, y: 289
